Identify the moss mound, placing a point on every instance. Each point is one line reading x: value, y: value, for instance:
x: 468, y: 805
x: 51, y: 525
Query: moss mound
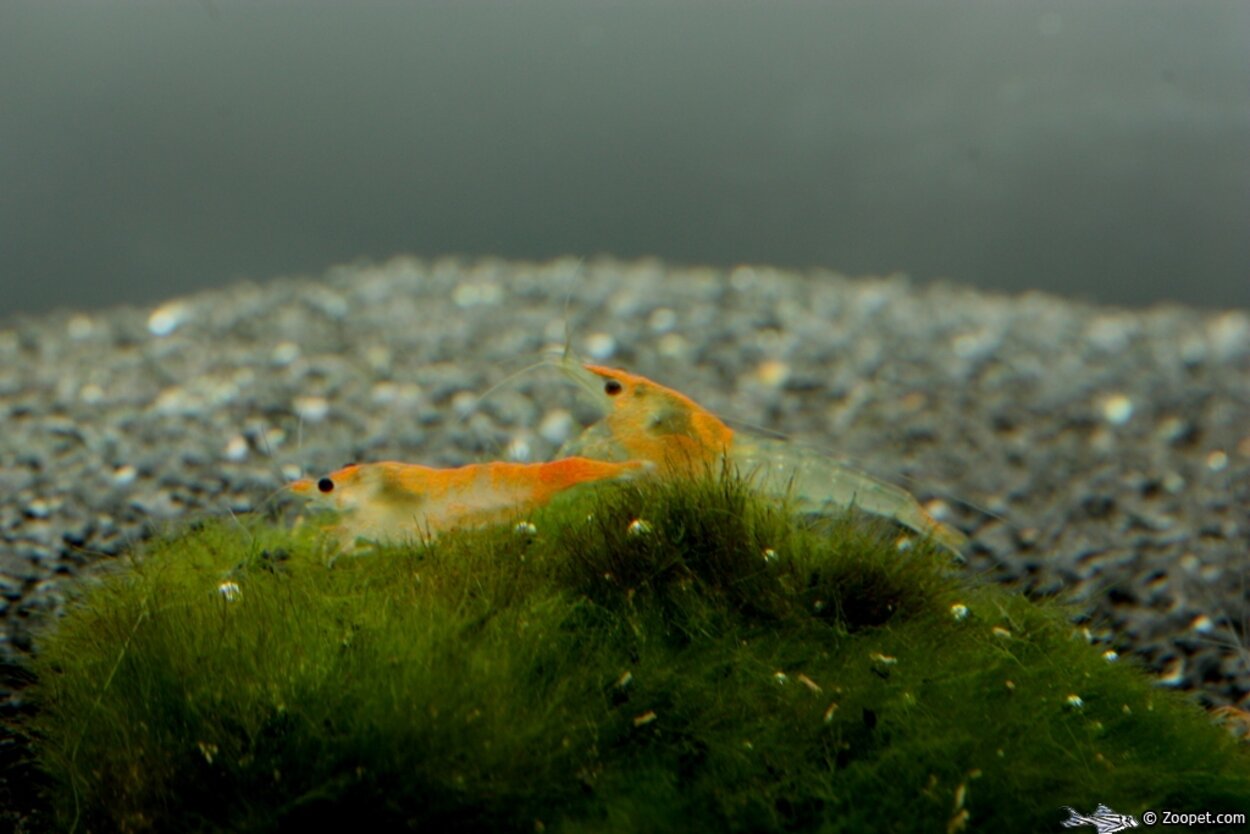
x: 647, y: 657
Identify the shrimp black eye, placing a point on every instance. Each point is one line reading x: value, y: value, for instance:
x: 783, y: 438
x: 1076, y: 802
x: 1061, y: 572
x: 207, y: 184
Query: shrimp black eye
x: 325, y: 485
x: 612, y: 387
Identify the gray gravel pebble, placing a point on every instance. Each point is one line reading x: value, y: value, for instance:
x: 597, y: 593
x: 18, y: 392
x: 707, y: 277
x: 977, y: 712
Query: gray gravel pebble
x: 1098, y: 453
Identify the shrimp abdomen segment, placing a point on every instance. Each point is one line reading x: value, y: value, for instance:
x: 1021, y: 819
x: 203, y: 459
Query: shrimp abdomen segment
x: 565, y: 473
x: 441, y: 499
x: 818, y: 484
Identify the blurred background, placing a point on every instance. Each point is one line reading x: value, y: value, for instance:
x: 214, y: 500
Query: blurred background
x: 1096, y: 150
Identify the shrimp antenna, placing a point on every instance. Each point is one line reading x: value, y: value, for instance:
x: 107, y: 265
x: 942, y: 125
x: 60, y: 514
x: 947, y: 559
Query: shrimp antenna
x: 568, y: 301
x: 262, y: 439
x: 510, y: 377
x: 1234, y: 627
x: 565, y: 352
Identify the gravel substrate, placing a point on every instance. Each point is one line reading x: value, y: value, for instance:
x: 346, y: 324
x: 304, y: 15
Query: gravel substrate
x: 1095, y: 452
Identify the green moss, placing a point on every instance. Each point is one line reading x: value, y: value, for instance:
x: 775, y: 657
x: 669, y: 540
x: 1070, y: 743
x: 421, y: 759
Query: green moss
x: 717, y: 667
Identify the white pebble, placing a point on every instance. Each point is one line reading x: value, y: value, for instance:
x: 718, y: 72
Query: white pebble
x: 973, y: 345
x: 1111, y: 333
x: 600, y: 346
x: 378, y: 357
x: 312, y: 409
x: 330, y: 303
x: 124, y: 475
x: 272, y: 438
x: 743, y: 278
x: 1193, y: 349
x: 400, y: 394
x: 662, y: 320
x: 80, y: 327
x: 556, y: 426
x: 1117, y: 409
x: 167, y: 318
x: 236, y: 448
x: 1217, y: 461
x: 1174, y: 673
x: 519, y: 449
x: 473, y: 295
x: 173, y: 400
x: 772, y: 373
x: 384, y: 392
x: 672, y: 345
x: 464, y: 403
x: 1229, y: 334
x: 284, y: 353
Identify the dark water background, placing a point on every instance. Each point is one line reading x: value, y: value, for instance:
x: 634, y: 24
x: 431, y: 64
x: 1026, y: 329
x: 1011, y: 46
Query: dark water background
x: 1098, y: 150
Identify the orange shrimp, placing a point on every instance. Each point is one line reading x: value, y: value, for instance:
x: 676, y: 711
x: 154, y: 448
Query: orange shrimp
x: 392, y: 501
x: 646, y: 421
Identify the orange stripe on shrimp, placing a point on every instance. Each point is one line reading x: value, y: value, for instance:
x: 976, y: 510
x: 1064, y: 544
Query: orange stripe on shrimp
x: 644, y: 420
x: 392, y: 501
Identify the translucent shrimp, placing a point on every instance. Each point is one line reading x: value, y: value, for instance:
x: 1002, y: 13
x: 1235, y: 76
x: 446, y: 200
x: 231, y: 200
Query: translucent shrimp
x: 394, y: 502
x: 646, y: 421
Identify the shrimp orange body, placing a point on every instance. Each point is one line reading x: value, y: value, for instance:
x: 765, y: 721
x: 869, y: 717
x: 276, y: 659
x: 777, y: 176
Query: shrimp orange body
x: 646, y: 421
x: 392, y: 501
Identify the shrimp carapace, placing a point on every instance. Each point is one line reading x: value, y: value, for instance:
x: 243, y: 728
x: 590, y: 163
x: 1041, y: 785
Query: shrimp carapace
x: 646, y: 421
x: 392, y: 501
x: 643, y: 420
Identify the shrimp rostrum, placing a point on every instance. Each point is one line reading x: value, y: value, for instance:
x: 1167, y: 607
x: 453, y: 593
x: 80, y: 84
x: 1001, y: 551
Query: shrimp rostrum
x: 646, y: 421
